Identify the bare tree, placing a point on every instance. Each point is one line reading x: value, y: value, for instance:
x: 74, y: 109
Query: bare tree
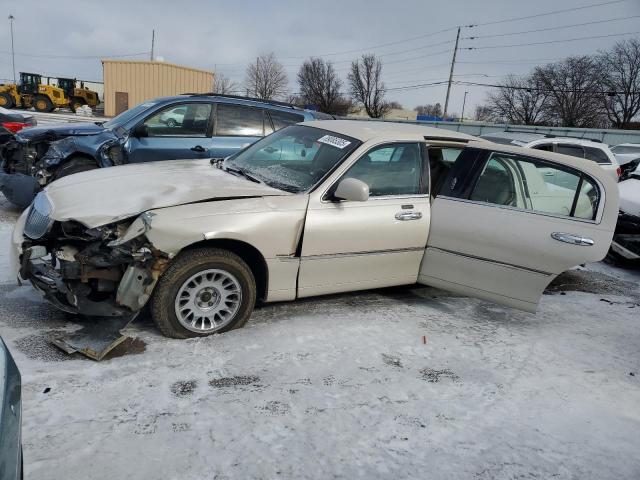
x: 266, y: 78
x: 572, y: 88
x: 484, y: 113
x: 432, y: 110
x: 620, y: 78
x: 320, y: 87
x: 224, y: 85
x: 519, y: 101
x: 395, y: 105
x: 366, y: 85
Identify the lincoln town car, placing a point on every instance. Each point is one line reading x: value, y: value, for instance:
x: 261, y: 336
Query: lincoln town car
x: 315, y: 208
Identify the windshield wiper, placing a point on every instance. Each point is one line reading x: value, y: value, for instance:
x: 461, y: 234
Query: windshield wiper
x: 242, y: 173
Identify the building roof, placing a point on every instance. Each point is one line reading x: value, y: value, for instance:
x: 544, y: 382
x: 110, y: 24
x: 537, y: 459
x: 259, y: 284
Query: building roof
x: 163, y: 64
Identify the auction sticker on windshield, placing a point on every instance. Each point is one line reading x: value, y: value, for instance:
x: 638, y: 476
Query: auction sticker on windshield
x: 334, y: 141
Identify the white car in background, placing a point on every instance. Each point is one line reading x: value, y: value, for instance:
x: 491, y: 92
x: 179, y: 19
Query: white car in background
x: 626, y: 152
x: 581, y: 148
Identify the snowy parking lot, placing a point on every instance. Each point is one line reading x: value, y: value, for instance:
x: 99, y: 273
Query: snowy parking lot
x: 406, y: 382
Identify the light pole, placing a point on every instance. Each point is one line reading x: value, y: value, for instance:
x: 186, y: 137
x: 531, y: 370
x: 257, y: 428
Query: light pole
x: 13, y: 55
x: 464, y: 101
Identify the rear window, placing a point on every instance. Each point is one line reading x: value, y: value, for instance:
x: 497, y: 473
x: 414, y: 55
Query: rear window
x: 622, y: 149
x: 573, y: 150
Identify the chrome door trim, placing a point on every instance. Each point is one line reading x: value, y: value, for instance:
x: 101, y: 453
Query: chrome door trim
x: 360, y: 254
x: 495, y: 262
x: 408, y: 215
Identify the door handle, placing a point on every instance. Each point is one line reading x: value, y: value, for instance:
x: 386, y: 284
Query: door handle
x: 199, y: 149
x: 572, y: 239
x: 404, y: 216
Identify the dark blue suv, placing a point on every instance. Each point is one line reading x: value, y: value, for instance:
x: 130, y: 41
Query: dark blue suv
x: 169, y: 128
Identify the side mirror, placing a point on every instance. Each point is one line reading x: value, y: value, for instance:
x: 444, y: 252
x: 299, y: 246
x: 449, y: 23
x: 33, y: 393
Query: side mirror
x: 353, y: 190
x: 140, y: 131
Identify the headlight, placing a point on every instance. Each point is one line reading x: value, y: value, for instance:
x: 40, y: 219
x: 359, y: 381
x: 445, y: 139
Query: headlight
x: 112, y: 153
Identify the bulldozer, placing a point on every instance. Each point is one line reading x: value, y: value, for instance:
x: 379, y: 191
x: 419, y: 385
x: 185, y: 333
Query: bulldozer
x: 31, y: 92
x: 78, y: 96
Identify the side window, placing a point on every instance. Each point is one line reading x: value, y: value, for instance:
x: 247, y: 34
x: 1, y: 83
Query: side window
x: 283, y: 119
x: 538, y: 186
x: 547, y: 147
x: 573, y: 150
x: 441, y: 159
x: 394, y: 169
x: 596, y: 155
x: 191, y: 120
x: 237, y: 120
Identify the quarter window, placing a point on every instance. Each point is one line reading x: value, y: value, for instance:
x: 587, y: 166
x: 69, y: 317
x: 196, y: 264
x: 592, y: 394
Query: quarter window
x: 237, y: 120
x: 596, y: 155
x: 573, y: 150
x: 391, y: 170
x: 190, y: 120
x: 537, y: 186
x: 284, y: 119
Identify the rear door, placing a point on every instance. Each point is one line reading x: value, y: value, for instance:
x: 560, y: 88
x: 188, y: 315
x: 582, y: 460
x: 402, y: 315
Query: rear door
x: 501, y: 230
x: 236, y: 127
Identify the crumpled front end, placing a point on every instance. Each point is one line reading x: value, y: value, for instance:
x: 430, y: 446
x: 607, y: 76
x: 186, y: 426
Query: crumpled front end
x: 626, y: 239
x: 104, y: 271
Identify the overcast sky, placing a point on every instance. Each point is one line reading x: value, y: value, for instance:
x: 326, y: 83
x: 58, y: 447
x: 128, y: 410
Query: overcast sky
x: 226, y: 35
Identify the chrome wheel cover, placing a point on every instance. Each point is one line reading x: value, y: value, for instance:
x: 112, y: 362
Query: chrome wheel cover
x: 208, y: 301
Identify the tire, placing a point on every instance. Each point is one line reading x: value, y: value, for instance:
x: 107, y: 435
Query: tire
x: 75, y: 165
x: 178, y: 289
x: 42, y: 104
x: 76, y: 103
x: 7, y: 101
x: 171, y: 123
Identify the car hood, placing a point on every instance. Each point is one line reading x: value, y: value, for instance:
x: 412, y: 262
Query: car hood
x: 630, y: 196
x: 102, y: 196
x: 56, y: 132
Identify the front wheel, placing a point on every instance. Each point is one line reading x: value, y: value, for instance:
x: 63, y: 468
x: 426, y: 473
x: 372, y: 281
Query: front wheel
x: 204, y: 291
x: 43, y: 104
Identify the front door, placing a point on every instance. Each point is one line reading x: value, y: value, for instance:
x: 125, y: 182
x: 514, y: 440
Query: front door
x: 176, y: 132
x: 503, y: 229
x: 350, y: 245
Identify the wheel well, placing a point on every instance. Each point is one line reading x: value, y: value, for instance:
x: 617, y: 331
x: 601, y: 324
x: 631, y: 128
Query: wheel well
x: 251, y: 255
x: 79, y: 156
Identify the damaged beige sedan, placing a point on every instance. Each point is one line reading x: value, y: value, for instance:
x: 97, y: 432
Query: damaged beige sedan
x: 314, y: 209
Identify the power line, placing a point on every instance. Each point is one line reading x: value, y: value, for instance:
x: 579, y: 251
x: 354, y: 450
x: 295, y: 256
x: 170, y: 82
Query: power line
x: 547, y: 90
x: 85, y: 57
x: 549, y: 42
x: 555, y: 12
x: 550, y: 28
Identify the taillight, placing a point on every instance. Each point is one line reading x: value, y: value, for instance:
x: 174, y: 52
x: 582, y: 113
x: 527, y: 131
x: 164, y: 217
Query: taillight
x: 619, y: 171
x: 14, y: 127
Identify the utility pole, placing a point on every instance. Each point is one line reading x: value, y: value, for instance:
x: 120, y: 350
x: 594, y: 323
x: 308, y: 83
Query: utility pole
x: 153, y: 42
x: 13, y: 54
x: 453, y: 62
x: 464, y: 101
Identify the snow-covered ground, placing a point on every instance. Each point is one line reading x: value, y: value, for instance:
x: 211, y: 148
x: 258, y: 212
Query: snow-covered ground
x: 344, y: 387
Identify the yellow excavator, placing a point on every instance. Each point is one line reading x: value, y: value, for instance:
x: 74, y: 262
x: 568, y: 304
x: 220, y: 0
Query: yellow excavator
x: 31, y: 92
x: 78, y: 97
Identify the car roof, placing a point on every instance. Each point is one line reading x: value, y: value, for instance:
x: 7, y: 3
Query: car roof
x: 575, y: 141
x: 628, y: 145
x: 255, y: 102
x: 365, y: 130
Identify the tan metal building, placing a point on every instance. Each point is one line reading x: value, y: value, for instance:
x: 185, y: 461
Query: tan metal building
x: 128, y: 83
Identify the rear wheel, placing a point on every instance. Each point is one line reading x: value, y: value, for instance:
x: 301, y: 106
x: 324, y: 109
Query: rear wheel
x: 171, y: 123
x: 7, y: 101
x: 204, y: 291
x: 75, y: 165
x: 43, y: 104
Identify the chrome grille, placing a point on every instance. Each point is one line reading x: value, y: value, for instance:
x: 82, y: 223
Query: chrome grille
x: 38, y: 219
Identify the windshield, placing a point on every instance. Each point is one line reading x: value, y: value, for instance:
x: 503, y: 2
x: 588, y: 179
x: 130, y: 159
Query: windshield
x: 295, y: 158
x: 127, y: 115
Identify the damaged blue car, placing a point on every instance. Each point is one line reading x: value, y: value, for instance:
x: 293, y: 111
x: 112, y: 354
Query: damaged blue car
x: 169, y: 128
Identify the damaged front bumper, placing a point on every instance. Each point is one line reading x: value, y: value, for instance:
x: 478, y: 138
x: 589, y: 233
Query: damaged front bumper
x: 89, y: 277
